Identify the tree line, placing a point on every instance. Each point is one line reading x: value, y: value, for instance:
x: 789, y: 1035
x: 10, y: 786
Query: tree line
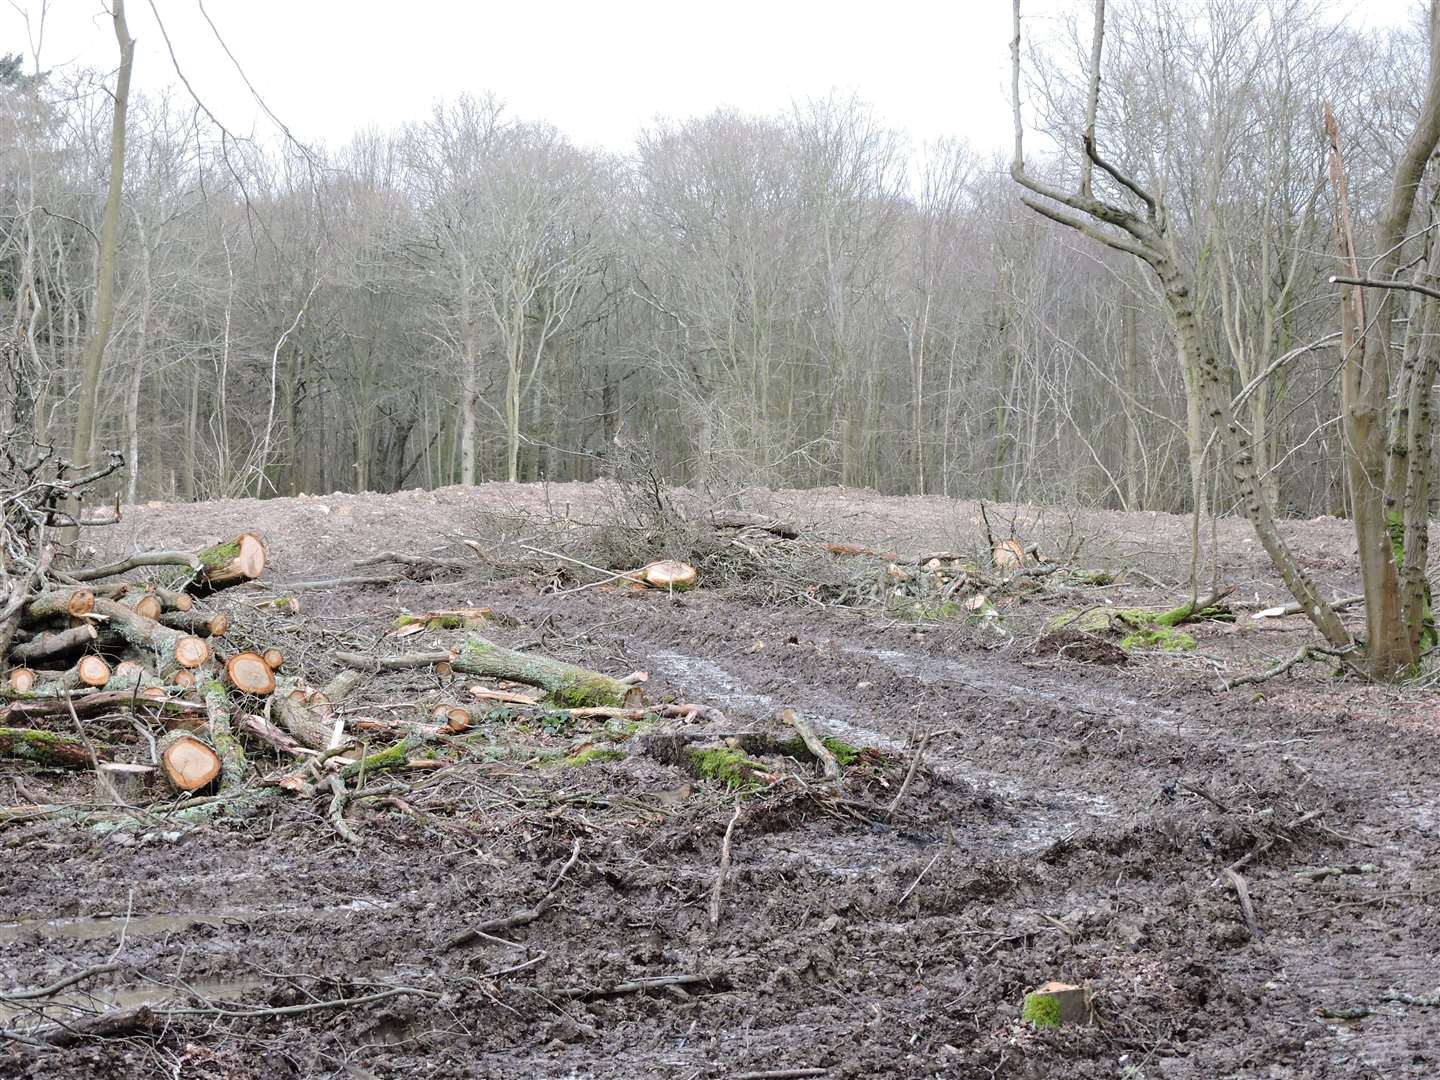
x: 796, y: 299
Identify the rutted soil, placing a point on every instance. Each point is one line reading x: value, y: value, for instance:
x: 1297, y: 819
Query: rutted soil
x: 1073, y: 822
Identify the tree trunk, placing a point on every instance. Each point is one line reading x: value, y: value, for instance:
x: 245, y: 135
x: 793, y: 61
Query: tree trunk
x: 89, y: 388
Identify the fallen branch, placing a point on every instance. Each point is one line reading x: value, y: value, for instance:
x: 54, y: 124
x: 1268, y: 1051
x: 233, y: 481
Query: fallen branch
x: 1306, y: 652
x: 1247, y: 909
x: 828, y: 765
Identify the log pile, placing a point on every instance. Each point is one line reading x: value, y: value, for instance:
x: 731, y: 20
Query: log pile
x: 85, y: 643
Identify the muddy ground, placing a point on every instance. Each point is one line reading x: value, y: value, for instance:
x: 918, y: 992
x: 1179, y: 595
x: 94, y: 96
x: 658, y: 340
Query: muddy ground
x: 1073, y: 822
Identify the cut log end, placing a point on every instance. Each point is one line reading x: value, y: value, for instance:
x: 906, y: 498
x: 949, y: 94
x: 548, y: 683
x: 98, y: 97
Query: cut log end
x: 250, y: 674
x: 274, y: 658
x: 231, y: 563
x: 81, y: 603
x: 21, y: 680
x: 191, y: 652
x: 188, y: 763
x: 92, y: 671
x: 149, y: 606
x: 183, y: 677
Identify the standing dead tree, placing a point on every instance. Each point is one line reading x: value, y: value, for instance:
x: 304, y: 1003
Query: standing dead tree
x: 1135, y: 221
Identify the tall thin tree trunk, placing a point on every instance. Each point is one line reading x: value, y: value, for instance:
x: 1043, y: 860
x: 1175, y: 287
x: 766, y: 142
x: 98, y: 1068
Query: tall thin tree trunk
x: 85, y: 419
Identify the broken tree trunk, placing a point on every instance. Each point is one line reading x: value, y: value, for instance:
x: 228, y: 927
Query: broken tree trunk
x: 44, y: 748
x: 173, y: 648
x: 567, y: 684
x: 188, y: 763
x: 231, y: 563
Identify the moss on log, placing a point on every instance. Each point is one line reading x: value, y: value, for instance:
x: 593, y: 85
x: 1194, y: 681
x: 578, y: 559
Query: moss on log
x: 568, y: 685
x: 44, y: 748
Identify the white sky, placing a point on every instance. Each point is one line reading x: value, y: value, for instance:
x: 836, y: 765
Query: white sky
x: 598, y: 69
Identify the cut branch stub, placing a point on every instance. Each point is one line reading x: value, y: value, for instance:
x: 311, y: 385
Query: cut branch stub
x: 274, y: 658
x: 231, y: 563
x: 188, y: 763
x: 197, y: 623
x: 250, y: 674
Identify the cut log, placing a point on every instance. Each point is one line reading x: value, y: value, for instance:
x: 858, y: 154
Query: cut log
x: 665, y: 574
x: 189, y: 764
x: 304, y: 713
x: 274, y: 658
x: 250, y: 674
x: 742, y: 519
x: 59, y: 603
x: 568, y: 684
x: 197, y: 623
x: 95, y: 703
x: 451, y: 717
x: 50, y: 646
x: 222, y: 737
x: 127, y: 670
x: 175, y: 601
x: 21, y: 680
x: 173, y: 648
x: 44, y: 748
x: 88, y: 671
x: 231, y: 563
x: 145, y: 604
x: 123, y: 783
x: 183, y: 677
x: 259, y: 728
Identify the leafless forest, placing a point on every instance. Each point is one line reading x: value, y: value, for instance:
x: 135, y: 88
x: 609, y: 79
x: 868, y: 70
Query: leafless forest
x: 794, y: 300
x: 783, y: 602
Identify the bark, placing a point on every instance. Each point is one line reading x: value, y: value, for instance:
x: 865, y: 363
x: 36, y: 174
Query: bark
x: 173, y: 648
x: 123, y: 783
x: 90, y: 375
x: 304, y: 713
x: 97, y: 704
x: 49, y: 646
x: 44, y: 748
x: 567, y: 684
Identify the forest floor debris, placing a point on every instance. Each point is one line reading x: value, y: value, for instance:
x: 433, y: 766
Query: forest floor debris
x: 444, y: 870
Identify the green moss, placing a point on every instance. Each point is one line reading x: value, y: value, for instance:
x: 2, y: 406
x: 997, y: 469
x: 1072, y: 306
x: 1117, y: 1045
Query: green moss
x: 592, y: 754
x: 845, y: 753
x: 220, y: 555
x: 1158, y: 637
x: 439, y: 622
x: 1041, y: 1010
x: 730, y: 768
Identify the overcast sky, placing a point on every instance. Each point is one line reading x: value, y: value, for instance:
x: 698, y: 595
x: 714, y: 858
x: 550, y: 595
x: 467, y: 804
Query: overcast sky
x: 598, y: 69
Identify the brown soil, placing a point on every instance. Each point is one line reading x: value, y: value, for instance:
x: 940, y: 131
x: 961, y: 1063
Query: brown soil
x: 1074, y: 823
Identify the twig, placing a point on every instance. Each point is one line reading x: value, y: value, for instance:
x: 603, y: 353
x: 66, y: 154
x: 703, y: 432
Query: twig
x: 829, y: 766
x: 724, y: 869
x: 518, y: 918
x: 914, y: 767
x: 339, y: 797
x: 1242, y: 892
x: 918, y: 878
x: 637, y: 986
x: 779, y: 1074
x: 56, y: 987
